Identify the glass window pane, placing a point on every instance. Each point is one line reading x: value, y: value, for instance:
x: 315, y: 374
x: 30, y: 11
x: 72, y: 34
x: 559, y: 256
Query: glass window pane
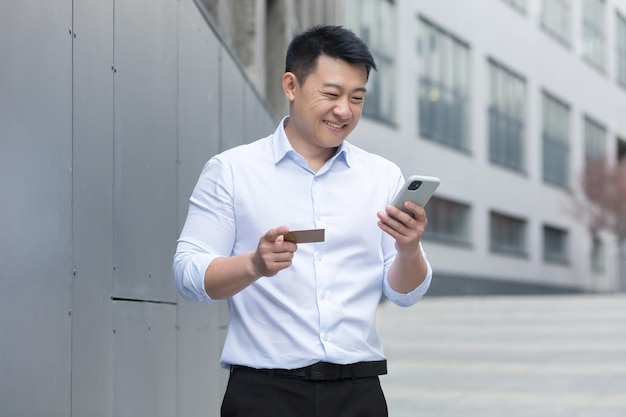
x: 555, y: 244
x: 508, y: 234
x: 507, y: 118
x: 443, y: 86
x: 594, y: 32
x: 595, y: 139
x: 555, y: 18
x: 621, y: 49
x: 448, y: 221
x: 555, y: 141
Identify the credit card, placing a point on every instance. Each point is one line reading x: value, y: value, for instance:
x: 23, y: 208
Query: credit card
x: 305, y: 236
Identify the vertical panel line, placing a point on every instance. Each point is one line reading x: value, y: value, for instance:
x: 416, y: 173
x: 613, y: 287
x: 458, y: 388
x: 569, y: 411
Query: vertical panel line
x: 72, y: 208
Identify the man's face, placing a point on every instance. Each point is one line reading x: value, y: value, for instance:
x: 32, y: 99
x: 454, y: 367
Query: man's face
x: 327, y: 107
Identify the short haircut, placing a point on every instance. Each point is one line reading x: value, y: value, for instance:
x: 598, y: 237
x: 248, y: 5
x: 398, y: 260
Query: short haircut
x: 332, y: 41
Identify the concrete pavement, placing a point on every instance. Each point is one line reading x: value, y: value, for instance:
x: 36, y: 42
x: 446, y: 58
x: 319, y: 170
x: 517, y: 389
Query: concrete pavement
x: 506, y: 356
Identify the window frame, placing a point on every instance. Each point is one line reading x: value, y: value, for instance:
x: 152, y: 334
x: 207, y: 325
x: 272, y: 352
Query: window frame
x: 556, y: 20
x: 593, y: 36
x: 620, y: 45
x: 444, y: 78
x: 507, y: 225
x: 507, y: 107
x: 593, y: 148
x: 597, y: 255
x: 438, y: 220
x: 551, y: 234
x: 555, y: 139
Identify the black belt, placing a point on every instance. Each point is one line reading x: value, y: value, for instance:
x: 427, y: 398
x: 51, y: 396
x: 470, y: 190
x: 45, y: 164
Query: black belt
x: 325, y: 371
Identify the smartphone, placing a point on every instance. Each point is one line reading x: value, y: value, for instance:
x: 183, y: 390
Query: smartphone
x: 417, y: 188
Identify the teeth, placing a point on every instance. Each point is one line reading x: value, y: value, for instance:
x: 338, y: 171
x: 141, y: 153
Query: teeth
x: 334, y: 125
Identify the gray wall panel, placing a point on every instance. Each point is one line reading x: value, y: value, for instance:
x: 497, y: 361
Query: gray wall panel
x: 145, y: 148
x: 96, y: 169
x: 201, y: 381
x: 231, y: 103
x: 92, y: 340
x: 198, y: 109
x: 35, y: 208
x: 144, y: 346
x: 199, y: 377
x: 258, y: 120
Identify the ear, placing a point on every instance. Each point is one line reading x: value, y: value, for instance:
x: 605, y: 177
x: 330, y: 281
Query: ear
x: 290, y: 85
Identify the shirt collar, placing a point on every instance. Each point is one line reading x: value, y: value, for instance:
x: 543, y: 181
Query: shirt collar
x: 282, y: 147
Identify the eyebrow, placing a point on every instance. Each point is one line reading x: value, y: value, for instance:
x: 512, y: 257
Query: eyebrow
x: 337, y: 86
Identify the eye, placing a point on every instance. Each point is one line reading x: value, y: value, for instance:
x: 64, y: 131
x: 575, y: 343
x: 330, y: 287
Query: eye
x: 357, y: 99
x: 332, y: 95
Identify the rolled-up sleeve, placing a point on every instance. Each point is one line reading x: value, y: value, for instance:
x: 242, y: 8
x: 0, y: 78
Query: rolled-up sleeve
x: 208, y: 233
x: 410, y: 298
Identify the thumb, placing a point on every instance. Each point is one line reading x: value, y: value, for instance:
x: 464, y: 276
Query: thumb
x: 273, y: 234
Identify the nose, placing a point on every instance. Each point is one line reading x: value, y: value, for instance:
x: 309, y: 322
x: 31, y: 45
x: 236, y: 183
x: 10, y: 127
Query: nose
x: 343, y: 110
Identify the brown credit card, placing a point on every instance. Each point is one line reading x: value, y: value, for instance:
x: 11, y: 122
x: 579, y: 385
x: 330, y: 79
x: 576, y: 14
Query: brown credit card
x: 305, y: 236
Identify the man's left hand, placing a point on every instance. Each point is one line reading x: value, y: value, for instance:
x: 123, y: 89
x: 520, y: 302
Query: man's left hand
x: 406, y: 230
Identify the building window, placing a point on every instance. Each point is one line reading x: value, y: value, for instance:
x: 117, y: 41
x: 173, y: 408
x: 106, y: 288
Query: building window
x: 448, y: 221
x: 621, y: 49
x: 593, y: 32
x: 595, y: 140
x: 374, y: 21
x: 519, y: 5
x: 555, y: 244
x: 507, y: 118
x: 443, y: 86
x: 621, y: 150
x: 508, y: 234
x: 556, y: 19
x: 597, y: 255
x: 555, y: 141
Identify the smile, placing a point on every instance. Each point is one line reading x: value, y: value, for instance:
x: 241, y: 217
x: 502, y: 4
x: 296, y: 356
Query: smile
x: 333, y: 125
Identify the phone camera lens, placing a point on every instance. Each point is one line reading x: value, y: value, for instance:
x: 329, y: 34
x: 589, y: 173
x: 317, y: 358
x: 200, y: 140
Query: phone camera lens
x: 415, y: 185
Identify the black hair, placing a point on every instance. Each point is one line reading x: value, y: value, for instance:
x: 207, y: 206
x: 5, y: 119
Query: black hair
x: 332, y: 41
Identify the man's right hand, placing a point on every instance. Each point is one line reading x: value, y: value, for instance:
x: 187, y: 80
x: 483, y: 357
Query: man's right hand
x: 273, y: 254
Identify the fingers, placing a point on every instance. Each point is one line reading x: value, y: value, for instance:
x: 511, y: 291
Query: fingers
x: 403, y: 221
x: 405, y: 229
x: 273, y: 253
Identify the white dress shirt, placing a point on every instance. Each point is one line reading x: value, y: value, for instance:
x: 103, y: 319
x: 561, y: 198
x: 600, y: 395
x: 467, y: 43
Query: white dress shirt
x: 323, y: 307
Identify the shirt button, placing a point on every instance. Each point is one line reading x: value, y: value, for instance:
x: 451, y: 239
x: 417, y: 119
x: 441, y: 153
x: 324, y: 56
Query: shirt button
x: 324, y: 295
x: 318, y: 257
x: 325, y: 338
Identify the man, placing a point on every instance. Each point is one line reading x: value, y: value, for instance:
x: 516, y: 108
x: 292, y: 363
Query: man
x: 302, y: 339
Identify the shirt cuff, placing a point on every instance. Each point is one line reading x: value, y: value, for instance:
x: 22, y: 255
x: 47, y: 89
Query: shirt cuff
x: 189, y: 272
x: 410, y: 298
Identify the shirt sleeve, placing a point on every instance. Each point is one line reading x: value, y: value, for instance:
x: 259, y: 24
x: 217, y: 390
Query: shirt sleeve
x: 208, y: 233
x: 409, y: 299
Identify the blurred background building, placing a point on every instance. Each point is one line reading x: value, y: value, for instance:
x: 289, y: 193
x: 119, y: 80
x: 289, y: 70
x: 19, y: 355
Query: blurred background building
x: 109, y: 109
x: 504, y: 100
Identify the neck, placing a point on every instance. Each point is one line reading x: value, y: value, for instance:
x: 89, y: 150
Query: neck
x: 315, y: 156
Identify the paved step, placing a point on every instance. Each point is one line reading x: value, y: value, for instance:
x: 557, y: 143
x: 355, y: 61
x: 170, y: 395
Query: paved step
x: 506, y: 356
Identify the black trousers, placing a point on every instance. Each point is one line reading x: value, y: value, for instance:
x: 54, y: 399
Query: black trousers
x: 271, y: 395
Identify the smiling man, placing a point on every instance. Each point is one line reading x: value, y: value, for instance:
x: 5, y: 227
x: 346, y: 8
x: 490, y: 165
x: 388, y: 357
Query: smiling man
x: 302, y: 337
